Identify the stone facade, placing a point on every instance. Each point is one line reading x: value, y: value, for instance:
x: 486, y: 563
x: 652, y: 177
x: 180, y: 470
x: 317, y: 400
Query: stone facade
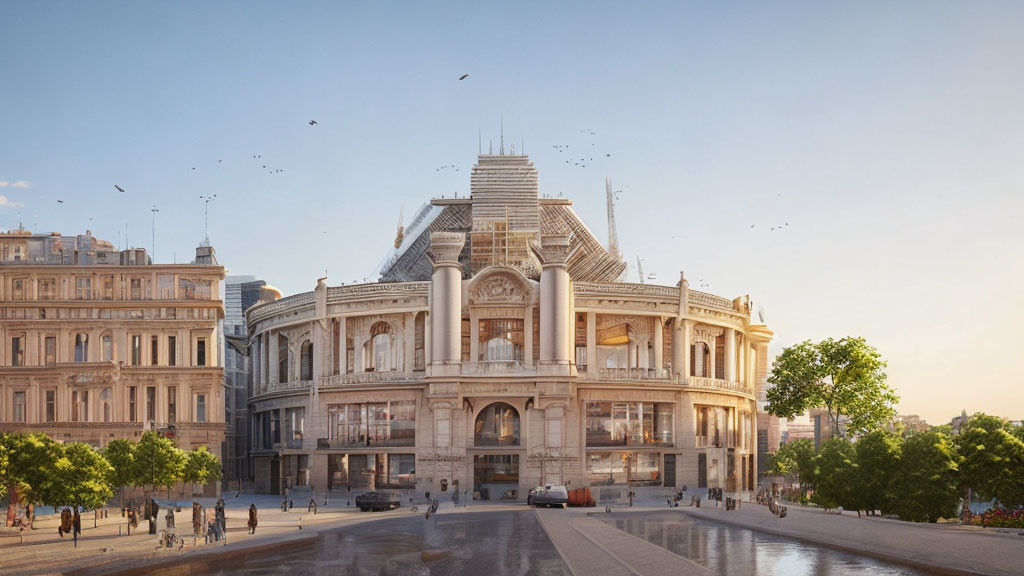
x: 504, y: 377
x: 100, y: 344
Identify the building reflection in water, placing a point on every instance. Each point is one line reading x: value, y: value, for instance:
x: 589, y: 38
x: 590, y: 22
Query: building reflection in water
x: 742, y: 552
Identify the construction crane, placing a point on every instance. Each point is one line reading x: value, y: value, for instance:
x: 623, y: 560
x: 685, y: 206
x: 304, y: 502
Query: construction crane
x: 613, y: 234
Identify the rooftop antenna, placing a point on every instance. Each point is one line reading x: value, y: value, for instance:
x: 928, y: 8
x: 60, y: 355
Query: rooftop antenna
x: 206, y: 214
x: 490, y: 148
x: 501, y: 149
x: 126, y: 246
x: 154, y: 210
x: 640, y: 268
x: 613, y: 234
x: 522, y: 147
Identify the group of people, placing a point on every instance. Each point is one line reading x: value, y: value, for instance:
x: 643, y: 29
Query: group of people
x: 70, y: 523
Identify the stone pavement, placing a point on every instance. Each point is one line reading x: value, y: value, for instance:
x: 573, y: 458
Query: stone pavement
x: 593, y: 548
x: 950, y: 548
x: 107, y: 547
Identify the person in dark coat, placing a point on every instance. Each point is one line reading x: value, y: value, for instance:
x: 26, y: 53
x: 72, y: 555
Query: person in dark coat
x: 76, y: 525
x: 252, y: 518
x: 220, y: 514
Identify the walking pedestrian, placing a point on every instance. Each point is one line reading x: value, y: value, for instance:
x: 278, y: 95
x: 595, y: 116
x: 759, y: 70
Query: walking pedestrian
x: 76, y: 525
x: 252, y: 518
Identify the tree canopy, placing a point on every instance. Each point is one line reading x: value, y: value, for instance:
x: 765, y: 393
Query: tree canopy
x: 158, y: 462
x: 878, y: 458
x: 992, y: 459
x: 80, y: 477
x: 200, y: 467
x: 794, y: 458
x: 845, y: 377
x: 835, y: 474
x: 924, y: 484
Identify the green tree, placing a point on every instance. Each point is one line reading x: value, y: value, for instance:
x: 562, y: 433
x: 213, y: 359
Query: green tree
x: 120, y: 454
x: 31, y: 458
x: 878, y: 458
x: 835, y: 474
x: 201, y: 466
x: 80, y: 478
x: 158, y: 462
x: 4, y: 464
x: 924, y: 486
x: 845, y: 377
x: 794, y: 458
x: 992, y: 459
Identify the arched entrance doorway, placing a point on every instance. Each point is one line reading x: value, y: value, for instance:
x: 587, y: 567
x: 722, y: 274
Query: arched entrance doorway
x: 496, y: 473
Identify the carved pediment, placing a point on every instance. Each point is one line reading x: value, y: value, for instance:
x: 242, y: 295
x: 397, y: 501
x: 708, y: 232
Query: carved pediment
x: 498, y: 289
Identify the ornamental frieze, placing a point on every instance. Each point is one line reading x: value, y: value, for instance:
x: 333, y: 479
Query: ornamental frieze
x: 512, y: 388
x: 498, y: 289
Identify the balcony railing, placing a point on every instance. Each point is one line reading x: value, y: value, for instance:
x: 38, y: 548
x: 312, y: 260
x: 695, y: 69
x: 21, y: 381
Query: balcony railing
x: 370, y: 378
x: 625, y: 374
x: 497, y: 367
x: 657, y: 376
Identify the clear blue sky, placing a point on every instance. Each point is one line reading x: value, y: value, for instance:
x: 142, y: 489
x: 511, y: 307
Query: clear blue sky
x: 888, y: 135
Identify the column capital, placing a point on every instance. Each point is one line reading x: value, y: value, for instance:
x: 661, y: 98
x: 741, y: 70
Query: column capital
x: 445, y: 248
x: 555, y: 249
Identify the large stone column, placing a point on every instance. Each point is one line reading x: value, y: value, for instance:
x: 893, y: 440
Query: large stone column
x: 659, y: 345
x: 555, y: 314
x: 446, y: 298
x: 730, y: 355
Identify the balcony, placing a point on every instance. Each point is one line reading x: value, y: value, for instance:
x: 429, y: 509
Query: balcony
x: 370, y: 378
x: 505, y: 368
x: 626, y: 374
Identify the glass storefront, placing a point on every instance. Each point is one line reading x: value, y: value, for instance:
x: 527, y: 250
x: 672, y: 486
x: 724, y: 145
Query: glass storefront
x: 371, y: 471
x: 496, y: 476
x: 630, y: 423
x: 374, y: 424
x: 610, y: 468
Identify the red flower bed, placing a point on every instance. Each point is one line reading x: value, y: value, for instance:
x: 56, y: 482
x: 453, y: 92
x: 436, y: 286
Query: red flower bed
x: 1003, y: 518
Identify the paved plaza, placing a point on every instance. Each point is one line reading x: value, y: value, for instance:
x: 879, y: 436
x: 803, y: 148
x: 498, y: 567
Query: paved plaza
x: 503, y: 538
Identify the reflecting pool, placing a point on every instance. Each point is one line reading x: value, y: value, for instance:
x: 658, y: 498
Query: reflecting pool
x: 742, y: 552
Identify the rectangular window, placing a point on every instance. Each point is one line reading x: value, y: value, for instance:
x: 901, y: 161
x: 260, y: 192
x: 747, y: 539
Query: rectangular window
x: 629, y: 423
x: 133, y: 398
x: 373, y: 424
x: 136, y: 289
x: 154, y: 351
x: 19, y: 406
x: 201, y: 352
x: 172, y: 394
x: 172, y: 351
x: 189, y: 289
x: 47, y: 289
x: 200, y: 407
x: 83, y: 288
x: 51, y: 406
x: 136, y: 350
x: 294, y: 423
x: 18, y: 351
x: 151, y: 403
x: 82, y: 406
x: 107, y: 282
x: 165, y: 287
x: 18, y: 289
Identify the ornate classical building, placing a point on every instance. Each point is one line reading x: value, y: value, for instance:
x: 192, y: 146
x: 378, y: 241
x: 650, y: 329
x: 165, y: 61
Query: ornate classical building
x: 101, y: 344
x: 499, y: 351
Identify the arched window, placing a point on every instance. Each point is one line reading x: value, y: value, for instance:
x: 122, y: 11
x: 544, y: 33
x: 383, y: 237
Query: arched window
x: 497, y: 425
x: 700, y: 360
x: 105, y: 400
x: 282, y: 358
x: 307, y: 360
x: 379, y: 354
x: 81, y: 347
x: 107, y: 347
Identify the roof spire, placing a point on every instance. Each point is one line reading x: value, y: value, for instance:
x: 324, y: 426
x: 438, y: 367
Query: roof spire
x: 613, y: 234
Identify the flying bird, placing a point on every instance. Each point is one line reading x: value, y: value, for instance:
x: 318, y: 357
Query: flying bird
x: 60, y: 201
x: 313, y: 122
x: 119, y: 189
x: 464, y: 76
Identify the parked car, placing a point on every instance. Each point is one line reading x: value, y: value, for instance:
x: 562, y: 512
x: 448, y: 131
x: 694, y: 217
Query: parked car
x: 375, y: 501
x: 551, y: 495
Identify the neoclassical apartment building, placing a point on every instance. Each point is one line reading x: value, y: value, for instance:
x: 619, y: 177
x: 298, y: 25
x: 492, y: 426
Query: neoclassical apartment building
x: 99, y: 343
x: 499, y: 351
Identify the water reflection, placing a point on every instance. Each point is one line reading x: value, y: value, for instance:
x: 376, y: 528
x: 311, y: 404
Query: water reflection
x: 741, y: 552
x: 488, y: 543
